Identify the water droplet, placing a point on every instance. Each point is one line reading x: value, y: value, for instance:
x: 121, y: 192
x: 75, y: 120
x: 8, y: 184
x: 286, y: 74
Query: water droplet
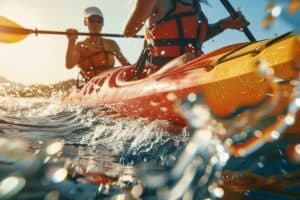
x: 214, y: 160
x: 275, y: 135
x: 163, y: 109
x: 153, y: 103
x: 223, y: 158
x: 228, y: 141
x: 218, y: 192
x: 57, y: 175
x: 258, y: 133
x: 260, y: 164
x: 264, y: 69
x: 54, y: 148
x: 289, y: 119
x: 171, y: 96
x: 11, y: 186
x: 297, y: 102
x: 47, y: 159
x: 276, y: 11
x: 192, y: 97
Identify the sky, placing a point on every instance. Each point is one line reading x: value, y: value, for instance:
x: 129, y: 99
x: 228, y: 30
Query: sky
x: 41, y: 59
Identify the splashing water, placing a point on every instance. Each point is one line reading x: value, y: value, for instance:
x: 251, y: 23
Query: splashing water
x: 198, y: 171
x: 87, y: 140
x: 285, y: 10
x: 90, y: 131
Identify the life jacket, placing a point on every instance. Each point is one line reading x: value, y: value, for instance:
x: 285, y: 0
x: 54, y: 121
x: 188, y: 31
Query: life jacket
x: 94, y: 58
x: 182, y: 30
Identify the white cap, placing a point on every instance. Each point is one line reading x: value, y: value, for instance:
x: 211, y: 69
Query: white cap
x: 92, y: 11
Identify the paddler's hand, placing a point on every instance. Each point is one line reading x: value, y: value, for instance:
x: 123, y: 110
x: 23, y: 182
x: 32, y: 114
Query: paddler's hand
x: 72, y: 34
x: 234, y: 23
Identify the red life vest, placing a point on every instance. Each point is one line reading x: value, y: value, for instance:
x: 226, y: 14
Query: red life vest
x: 182, y: 30
x: 94, y: 59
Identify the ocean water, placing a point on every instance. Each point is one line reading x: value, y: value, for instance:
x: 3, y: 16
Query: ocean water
x: 93, y: 141
x: 50, y: 150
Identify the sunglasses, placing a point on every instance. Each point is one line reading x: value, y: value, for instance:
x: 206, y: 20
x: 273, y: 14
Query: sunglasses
x: 94, y: 19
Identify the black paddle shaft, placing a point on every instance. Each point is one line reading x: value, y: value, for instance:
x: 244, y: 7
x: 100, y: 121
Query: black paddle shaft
x: 233, y: 13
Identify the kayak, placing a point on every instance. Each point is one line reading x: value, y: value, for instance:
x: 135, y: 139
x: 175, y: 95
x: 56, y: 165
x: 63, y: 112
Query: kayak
x: 228, y: 78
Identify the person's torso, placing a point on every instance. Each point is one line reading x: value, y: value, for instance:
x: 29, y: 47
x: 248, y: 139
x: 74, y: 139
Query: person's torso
x: 96, y: 54
x: 176, y: 29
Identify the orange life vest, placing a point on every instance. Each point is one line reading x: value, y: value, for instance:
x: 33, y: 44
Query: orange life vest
x: 94, y: 59
x: 182, y: 30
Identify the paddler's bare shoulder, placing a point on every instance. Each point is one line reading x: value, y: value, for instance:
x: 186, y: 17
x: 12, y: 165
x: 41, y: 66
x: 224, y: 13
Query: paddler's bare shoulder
x: 111, y: 44
x: 163, y: 6
x: 160, y: 10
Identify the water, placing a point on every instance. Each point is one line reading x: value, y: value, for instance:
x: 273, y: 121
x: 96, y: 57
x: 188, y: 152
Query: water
x: 42, y: 120
x: 53, y: 150
x: 92, y: 141
x: 284, y: 10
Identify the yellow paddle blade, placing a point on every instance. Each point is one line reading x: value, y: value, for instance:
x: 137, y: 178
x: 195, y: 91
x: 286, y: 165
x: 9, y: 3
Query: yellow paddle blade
x: 11, y: 32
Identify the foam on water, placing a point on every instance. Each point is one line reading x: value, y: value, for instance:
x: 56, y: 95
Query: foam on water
x: 39, y: 119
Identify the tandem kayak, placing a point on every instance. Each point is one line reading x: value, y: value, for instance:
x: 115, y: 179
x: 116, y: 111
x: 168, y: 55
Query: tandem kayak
x: 228, y: 78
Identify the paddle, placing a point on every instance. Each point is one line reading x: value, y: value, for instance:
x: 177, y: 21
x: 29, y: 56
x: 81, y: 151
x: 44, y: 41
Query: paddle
x: 233, y: 13
x: 11, y: 32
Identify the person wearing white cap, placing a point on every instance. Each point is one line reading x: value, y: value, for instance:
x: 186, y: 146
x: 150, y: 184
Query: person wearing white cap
x: 94, y: 54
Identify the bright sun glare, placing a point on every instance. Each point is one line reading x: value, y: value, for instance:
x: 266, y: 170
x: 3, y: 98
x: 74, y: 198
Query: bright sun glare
x: 29, y: 54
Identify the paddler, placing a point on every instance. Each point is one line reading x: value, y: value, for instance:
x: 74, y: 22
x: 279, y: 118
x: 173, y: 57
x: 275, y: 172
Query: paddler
x: 94, y: 54
x: 174, y: 29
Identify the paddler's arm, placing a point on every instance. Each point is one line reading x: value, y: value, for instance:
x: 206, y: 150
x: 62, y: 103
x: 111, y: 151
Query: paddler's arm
x: 213, y: 30
x: 117, y: 52
x: 142, y: 10
x: 72, y: 54
x: 227, y: 23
